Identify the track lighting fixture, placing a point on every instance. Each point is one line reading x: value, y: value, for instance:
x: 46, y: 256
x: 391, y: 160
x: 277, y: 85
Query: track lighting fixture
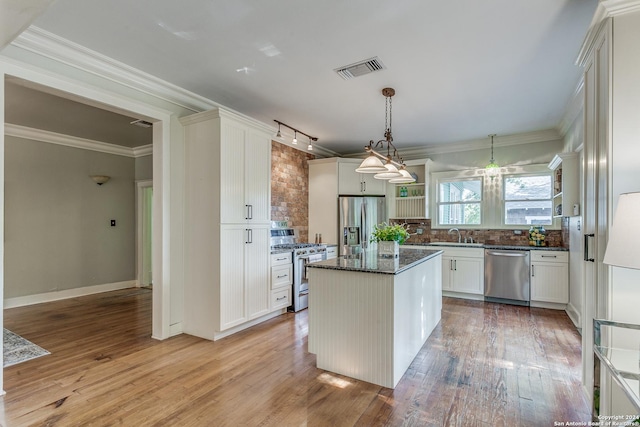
x: 294, y: 141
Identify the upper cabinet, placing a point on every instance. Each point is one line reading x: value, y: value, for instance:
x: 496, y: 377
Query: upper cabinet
x: 245, y: 174
x: 352, y: 183
x: 566, y: 196
x: 411, y: 200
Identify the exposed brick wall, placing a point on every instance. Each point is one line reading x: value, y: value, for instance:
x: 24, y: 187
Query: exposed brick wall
x: 554, y: 238
x: 290, y: 187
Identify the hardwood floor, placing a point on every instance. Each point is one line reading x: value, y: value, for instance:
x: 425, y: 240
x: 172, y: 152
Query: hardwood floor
x: 485, y: 365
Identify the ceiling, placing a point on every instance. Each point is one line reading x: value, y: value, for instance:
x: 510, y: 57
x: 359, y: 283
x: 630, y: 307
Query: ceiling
x: 461, y: 69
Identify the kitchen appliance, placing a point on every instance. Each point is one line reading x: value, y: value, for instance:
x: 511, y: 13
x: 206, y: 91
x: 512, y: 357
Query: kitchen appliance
x: 357, y: 217
x: 506, y: 276
x: 283, y: 238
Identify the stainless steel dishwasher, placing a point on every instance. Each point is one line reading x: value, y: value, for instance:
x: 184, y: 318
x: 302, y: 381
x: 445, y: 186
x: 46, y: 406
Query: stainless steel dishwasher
x: 506, y: 276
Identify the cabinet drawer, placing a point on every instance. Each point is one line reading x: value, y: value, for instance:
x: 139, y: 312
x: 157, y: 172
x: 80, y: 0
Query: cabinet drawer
x: 281, y: 258
x: 549, y: 256
x: 281, y: 298
x: 281, y: 275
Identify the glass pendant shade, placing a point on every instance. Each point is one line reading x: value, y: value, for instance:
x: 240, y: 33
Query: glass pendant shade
x: 372, y: 164
x: 391, y: 172
x: 405, y: 178
x: 492, y: 169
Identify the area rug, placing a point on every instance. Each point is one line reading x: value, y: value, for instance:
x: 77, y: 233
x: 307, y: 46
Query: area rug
x: 18, y: 349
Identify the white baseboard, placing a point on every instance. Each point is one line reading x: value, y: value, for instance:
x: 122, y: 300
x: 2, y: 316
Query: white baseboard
x: 67, y: 293
x: 574, y: 315
x: 231, y: 331
x: 550, y: 305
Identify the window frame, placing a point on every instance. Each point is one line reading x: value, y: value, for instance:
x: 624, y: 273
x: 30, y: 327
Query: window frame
x: 493, y: 203
x: 439, y: 203
x: 504, y: 201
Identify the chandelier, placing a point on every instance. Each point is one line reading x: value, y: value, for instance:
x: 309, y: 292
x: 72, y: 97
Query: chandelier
x: 394, y: 168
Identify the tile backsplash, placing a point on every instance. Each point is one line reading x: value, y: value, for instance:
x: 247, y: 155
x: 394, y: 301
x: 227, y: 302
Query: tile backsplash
x: 557, y: 238
x: 289, y: 187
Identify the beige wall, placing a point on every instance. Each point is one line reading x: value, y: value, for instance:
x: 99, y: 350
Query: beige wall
x: 144, y: 167
x: 57, y: 220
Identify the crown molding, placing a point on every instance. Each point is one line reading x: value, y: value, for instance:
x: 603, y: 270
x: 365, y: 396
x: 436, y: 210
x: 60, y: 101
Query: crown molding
x: 24, y: 132
x: 49, y: 45
x: 411, y: 153
x: 620, y: 7
x: 574, y: 108
x: 606, y: 9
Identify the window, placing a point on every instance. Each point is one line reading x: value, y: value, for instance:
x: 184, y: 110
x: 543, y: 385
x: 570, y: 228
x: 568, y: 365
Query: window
x: 528, y: 200
x: 460, y: 202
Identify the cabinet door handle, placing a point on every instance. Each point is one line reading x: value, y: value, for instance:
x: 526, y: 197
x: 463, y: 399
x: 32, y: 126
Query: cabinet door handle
x: 549, y: 256
x: 281, y: 298
x: 284, y: 275
x: 451, y: 264
x: 281, y: 259
x: 249, y: 212
x: 533, y: 273
x: 364, y: 184
x: 249, y: 235
x: 586, y: 247
x: 455, y: 264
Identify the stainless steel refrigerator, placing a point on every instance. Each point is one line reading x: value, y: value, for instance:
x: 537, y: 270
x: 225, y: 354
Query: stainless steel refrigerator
x: 357, y: 217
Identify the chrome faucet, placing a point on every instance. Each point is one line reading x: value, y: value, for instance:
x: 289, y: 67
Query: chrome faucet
x: 457, y: 231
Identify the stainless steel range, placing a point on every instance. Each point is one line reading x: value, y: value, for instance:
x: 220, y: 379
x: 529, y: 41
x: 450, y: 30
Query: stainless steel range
x: 284, y: 239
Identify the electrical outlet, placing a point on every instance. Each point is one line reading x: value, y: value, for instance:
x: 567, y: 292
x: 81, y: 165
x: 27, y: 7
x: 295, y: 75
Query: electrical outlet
x: 517, y: 232
x: 419, y: 231
x: 113, y: 222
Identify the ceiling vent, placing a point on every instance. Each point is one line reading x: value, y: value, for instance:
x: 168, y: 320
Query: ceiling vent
x: 142, y: 123
x: 360, y: 68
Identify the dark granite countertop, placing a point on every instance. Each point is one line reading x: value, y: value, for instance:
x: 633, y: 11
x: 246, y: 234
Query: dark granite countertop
x: 492, y: 246
x: 369, y: 262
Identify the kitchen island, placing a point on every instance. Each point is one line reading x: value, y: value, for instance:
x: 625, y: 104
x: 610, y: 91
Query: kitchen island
x: 369, y: 316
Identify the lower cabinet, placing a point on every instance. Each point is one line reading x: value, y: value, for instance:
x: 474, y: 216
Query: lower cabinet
x: 462, y: 270
x: 244, y: 274
x: 549, y: 276
x: 281, y: 280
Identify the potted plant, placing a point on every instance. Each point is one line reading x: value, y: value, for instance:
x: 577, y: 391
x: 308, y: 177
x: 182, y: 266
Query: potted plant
x: 389, y: 237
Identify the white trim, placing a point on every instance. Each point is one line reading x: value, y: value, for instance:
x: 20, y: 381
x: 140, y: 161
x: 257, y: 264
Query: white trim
x: 140, y: 185
x: 64, y: 51
x: 175, y: 329
x: 475, y: 144
x: 574, y: 108
x: 231, y: 331
x: 574, y: 315
x: 66, y: 294
x: 549, y: 305
x: 18, y: 131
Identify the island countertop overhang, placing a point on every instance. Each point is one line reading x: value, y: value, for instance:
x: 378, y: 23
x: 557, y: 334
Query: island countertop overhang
x: 370, y: 262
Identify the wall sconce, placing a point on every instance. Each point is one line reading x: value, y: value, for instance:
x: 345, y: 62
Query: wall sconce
x: 100, y: 179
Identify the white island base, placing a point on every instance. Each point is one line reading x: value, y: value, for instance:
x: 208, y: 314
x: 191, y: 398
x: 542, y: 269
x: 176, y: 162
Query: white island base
x: 370, y: 326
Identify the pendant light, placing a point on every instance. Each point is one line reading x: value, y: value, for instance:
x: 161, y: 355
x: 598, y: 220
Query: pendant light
x: 492, y: 169
x: 295, y: 138
x: 278, y: 135
x: 391, y: 169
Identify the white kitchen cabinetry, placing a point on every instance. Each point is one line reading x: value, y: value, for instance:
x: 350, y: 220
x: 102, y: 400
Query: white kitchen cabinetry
x: 245, y: 174
x: 332, y: 252
x: 416, y: 203
x: 227, y: 202
x: 565, y: 184
x: 352, y: 183
x: 549, y: 278
x: 328, y: 179
x: 462, y: 271
x: 281, y: 279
